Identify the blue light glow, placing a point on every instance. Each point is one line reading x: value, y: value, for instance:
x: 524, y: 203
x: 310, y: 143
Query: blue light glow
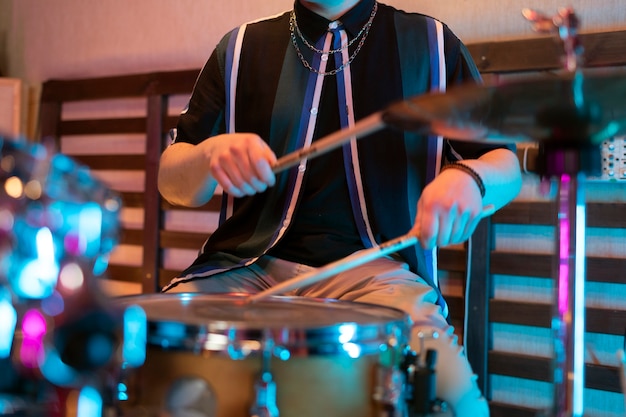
x: 122, y: 392
x: 90, y: 229
x: 135, y: 334
x: 38, y: 276
x: 283, y: 354
x: 8, y: 320
x: 89, y: 403
x: 101, y: 263
x: 56, y: 371
x: 352, y: 349
x: 579, y: 306
x: 346, y: 332
x: 171, y: 331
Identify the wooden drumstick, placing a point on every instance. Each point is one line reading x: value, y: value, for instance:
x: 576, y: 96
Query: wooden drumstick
x: 361, y: 128
x: 351, y: 261
x: 333, y: 268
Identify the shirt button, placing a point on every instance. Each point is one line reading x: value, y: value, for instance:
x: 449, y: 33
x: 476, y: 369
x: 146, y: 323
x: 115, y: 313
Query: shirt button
x: 324, y: 57
x: 301, y: 168
x: 333, y: 25
x: 314, y: 110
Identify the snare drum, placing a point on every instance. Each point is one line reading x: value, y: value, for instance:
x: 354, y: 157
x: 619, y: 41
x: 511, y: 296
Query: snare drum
x: 300, y: 357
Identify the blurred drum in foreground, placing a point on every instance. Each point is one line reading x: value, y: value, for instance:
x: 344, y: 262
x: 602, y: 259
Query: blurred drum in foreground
x: 53, y: 212
x: 58, y: 225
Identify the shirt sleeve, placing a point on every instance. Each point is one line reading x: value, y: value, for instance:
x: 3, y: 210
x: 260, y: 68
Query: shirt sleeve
x: 203, y: 116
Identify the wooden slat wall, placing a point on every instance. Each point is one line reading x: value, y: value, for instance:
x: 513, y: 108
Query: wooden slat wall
x: 488, y: 263
x: 154, y: 90
x: 600, y: 269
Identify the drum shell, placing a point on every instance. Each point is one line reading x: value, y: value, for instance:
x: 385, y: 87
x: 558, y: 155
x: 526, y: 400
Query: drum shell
x: 320, y: 380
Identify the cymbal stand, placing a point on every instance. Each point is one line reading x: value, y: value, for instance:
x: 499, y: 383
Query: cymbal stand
x: 568, y: 317
x: 568, y: 160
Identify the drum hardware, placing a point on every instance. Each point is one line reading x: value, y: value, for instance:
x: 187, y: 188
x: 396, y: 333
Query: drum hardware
x: 265, y: 396
x: 389, y: 391
x: 390, y: 378
x: 420, y: 376
x: 420, y: 384
x: 569, y: 165
x: 265, y: 387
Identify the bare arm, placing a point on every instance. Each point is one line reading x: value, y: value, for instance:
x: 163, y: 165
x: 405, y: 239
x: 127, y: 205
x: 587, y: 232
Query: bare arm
x: 451, y: 205
x: 240, y: 163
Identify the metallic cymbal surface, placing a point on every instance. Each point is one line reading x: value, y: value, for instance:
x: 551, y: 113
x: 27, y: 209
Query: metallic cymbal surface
x: 566, y: 110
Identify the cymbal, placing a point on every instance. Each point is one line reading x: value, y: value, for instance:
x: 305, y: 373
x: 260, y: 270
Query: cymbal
x: 571, y: 109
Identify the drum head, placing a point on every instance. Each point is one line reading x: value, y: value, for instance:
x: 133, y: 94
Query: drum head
x: 221, y: 322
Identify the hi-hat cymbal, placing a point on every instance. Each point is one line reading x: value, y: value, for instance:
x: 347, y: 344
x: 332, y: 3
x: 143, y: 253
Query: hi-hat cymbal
x: 571, y: 109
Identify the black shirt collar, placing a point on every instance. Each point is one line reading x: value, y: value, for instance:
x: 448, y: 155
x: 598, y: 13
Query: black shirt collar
x: 313, y: 25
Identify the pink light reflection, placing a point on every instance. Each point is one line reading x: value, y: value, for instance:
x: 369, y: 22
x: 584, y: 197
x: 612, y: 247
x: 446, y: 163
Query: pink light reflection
x: 34, y: 329
x: 564, y: 250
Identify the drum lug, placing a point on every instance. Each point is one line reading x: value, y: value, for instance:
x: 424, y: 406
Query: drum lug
x: 265, y: 387
x: 265, y: 402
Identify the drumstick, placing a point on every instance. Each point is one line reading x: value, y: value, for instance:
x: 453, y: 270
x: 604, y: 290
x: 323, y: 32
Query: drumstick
x: 333, y: 268
x: 361, y: 128
x: 351, y: 261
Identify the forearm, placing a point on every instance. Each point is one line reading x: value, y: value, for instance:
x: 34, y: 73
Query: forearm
x: 184, y: 177
x: 501, y: 175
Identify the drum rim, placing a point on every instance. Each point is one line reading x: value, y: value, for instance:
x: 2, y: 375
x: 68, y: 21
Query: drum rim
x: 221, y: 336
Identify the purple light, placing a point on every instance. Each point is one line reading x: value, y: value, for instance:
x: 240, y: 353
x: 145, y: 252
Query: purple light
x: 53, y: 305
x: 34, y: 325
x: 564, y: 250
x: 34, y: 329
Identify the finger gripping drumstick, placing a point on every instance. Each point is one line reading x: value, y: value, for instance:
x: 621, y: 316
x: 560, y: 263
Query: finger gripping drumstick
x: 333, y: 268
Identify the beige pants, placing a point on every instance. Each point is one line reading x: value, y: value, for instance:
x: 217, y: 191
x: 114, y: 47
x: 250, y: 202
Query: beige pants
x: 385, y: 282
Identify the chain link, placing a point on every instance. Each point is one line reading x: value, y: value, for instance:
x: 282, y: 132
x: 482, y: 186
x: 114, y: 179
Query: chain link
x: 294, y: 29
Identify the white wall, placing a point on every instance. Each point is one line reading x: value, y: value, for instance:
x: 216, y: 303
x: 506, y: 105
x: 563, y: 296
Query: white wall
x: 77, y: 38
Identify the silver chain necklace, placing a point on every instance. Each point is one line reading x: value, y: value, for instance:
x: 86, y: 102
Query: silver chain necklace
x: 362, y: 35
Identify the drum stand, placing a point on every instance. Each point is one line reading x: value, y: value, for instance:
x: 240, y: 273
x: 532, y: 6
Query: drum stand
x: 568, y: 154
x: 569, y: 165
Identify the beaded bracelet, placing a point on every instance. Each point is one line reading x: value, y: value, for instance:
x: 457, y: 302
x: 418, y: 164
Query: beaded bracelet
x: 470, y: 171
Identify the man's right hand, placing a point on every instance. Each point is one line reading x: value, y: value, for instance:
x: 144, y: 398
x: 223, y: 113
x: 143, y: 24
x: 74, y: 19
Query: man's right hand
x: 241, y: 163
